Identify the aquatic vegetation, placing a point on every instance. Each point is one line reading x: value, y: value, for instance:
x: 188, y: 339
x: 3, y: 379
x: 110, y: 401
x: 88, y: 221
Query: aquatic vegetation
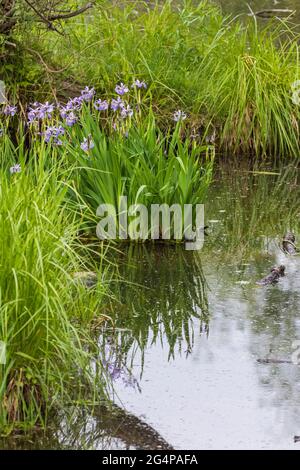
x: 49, y: 355
x: 141, y: 164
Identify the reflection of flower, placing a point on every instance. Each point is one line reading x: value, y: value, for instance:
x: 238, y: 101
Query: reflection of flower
x: 116, y: 370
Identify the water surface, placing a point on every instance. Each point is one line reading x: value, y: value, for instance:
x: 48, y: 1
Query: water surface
x: 201, y: 384
x: 191, y: 327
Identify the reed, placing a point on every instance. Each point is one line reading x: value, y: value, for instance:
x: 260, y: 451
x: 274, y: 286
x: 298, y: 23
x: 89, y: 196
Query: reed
x: 49, y: 354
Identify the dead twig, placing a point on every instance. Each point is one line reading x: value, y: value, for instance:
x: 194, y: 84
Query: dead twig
x: 64, y: 16
x: 48, y: 69
x: 42, y: 17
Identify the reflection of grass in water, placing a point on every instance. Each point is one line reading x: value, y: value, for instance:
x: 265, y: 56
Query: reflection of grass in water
x: 100, y: 427
x: 164, y: 292
x: 258, y: 206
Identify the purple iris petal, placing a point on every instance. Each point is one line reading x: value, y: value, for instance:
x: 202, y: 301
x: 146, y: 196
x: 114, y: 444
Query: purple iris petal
x: 139, y: 84
x: 10, y: 110
x: 101, y: 105
x: 71, y: 119
x: 52, y: 133
x: 117, y: 104
x: 40, y: 111
x: 88, y: 93
x: 121, y: 89
x: 126, y: 111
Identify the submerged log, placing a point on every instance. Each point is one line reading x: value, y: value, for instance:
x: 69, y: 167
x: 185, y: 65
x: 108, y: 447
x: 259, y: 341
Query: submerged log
x: 274, y: 12
x: 274, y: 361
x: 273, y: 277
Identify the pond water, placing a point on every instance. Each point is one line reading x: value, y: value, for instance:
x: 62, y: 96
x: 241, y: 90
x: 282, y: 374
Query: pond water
x: 208, y: 323
x: 193, y: 325
x: 237, y: 7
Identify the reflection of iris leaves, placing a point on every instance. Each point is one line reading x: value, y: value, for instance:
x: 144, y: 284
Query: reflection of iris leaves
x: 257, y: 207
x: 164, y: 291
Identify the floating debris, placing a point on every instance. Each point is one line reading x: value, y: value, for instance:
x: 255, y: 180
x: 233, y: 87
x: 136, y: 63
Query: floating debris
x: 273, y: 277
x: 274, y: 361
x: 273, y: 12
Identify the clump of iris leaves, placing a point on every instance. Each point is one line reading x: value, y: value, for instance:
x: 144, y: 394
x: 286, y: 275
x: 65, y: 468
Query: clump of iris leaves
x: 59, y: 162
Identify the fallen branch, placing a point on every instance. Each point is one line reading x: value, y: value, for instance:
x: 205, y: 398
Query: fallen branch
x: 272, y: 12
x: 275, y: 361
x: 64, y: 16
x: 48, y: 69
x: 42, y: 17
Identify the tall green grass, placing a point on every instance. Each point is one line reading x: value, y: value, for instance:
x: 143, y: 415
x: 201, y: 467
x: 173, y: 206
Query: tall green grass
x: 49, y: 358
x: 233, y: 77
